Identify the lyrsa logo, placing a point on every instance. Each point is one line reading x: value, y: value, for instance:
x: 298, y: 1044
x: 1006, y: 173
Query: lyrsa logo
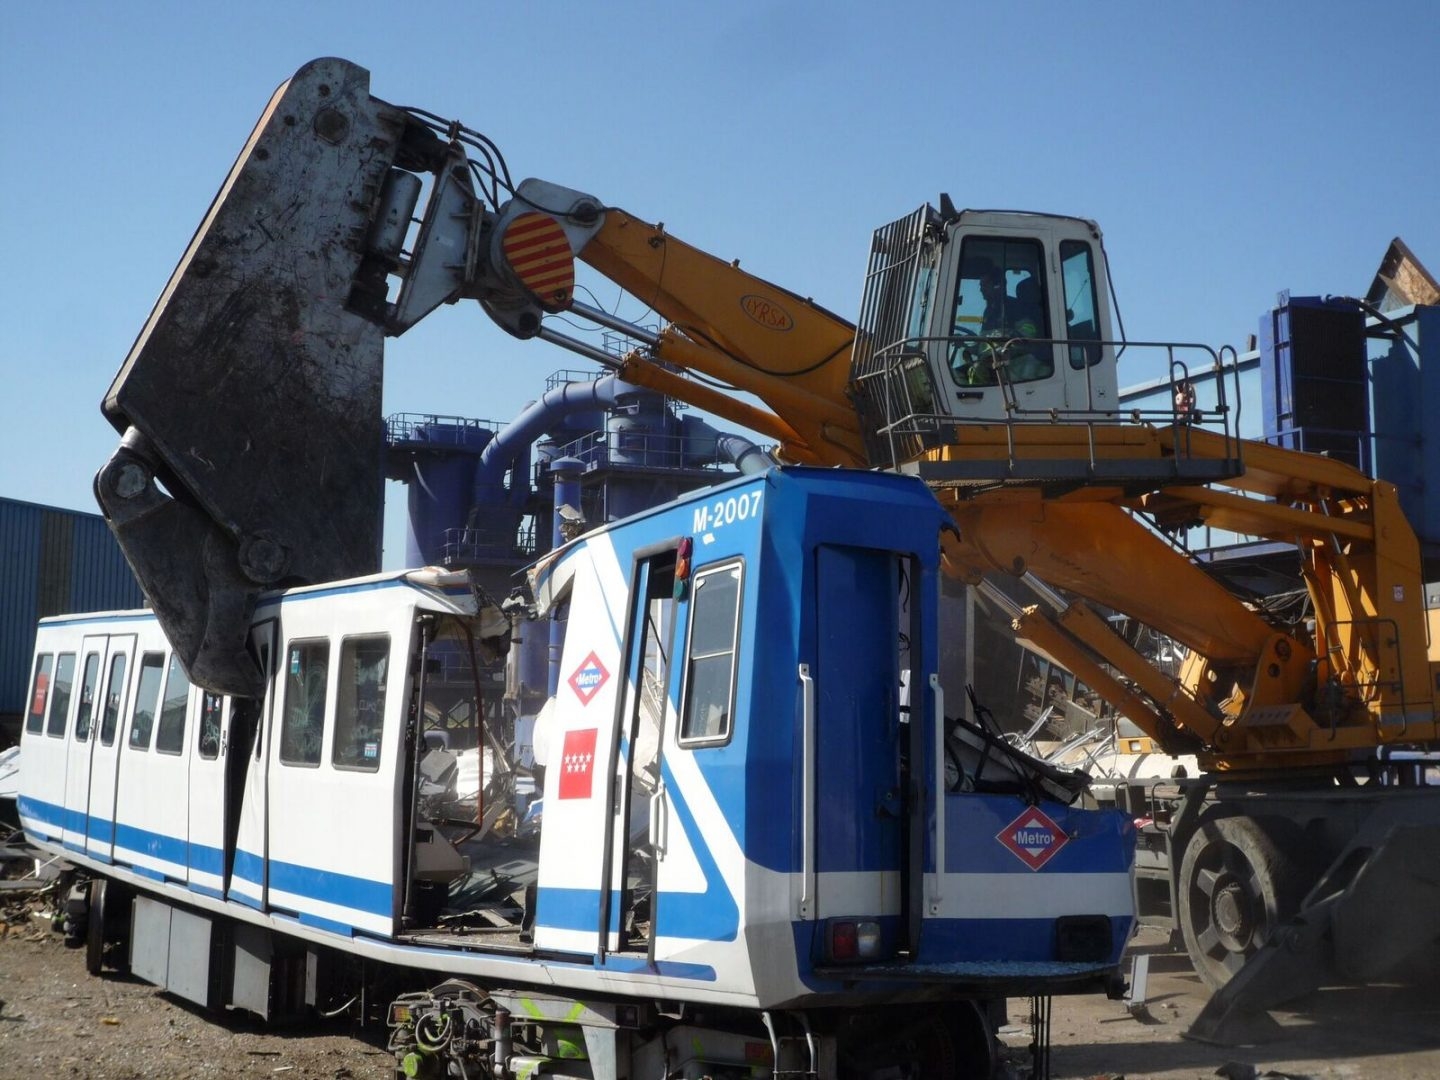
x: 589, y: 677
x: 1033, y: 838
x: 766, y: 312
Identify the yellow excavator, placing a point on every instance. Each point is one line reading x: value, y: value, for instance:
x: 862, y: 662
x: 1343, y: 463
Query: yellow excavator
x: 983, y: 360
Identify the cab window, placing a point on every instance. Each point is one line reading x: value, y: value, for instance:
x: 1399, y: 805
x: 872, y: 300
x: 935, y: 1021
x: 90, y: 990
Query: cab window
x: 360, y: 702
x: 1082, y: 320
x: 1000, y: 313
x: 710, y: 669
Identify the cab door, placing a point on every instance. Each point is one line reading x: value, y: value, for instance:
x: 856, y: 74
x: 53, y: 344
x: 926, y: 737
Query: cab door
x: 635, y: 846
x: 997, y: 312
x: 861, y: 741
x: 668, y: 899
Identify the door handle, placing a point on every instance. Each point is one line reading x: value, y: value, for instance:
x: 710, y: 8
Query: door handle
x: 658, y: 821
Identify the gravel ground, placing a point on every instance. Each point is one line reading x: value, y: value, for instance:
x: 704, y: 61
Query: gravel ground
x: 58, y: 1021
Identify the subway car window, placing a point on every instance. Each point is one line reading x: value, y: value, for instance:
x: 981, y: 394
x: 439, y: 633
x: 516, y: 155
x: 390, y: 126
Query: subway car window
x: 170, y: 738
x: 87, y: 697
x: 147, y: 699
x: 209, y: 738
x: 302, y: 731
x: 39, y: 693
x: 114, y: 694
x: 60, y: 695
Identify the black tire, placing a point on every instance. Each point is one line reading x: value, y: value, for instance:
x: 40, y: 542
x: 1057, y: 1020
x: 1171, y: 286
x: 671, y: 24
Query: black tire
x: 95, y: 928
x: 107, y: 928
x: 1239, y: 880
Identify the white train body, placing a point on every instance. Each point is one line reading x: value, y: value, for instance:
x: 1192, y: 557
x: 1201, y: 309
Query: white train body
x: 743, y: 806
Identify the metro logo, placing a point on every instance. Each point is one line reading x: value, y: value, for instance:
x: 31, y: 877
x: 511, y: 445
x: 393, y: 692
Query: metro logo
x: 1033, y: 838
x: 588, y: 678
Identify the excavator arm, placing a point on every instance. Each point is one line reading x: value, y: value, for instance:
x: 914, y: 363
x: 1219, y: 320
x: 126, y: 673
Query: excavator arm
x: 250, y: 402
x: 1252, y: 694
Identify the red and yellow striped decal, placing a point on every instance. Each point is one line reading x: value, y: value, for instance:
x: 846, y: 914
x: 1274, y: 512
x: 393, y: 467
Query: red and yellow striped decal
x: 539, y: 253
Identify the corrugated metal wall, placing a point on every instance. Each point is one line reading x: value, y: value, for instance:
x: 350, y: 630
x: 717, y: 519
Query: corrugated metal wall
x: 52, y: 562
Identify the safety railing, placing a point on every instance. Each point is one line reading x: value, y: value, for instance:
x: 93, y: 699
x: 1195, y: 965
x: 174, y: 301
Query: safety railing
x: 468, y: 546
x: 436, y: 430
x: 906, y: 414
x: 635, y: 447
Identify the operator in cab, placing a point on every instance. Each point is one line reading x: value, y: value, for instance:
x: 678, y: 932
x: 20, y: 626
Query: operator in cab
x: 1005, y: 319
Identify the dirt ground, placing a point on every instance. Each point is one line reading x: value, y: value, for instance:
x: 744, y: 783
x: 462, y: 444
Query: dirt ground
x: 58, y: 1021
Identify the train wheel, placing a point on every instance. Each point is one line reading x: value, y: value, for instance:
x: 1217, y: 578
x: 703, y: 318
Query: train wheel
x: 107, y: 925
x: 1237, y: 883
x: 95, y: 928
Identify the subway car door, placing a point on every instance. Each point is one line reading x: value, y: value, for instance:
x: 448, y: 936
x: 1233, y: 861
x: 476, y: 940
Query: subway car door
x: 108, y: 715
x: 208, y: 752
x: 247, y: 817
x: 79, y: 744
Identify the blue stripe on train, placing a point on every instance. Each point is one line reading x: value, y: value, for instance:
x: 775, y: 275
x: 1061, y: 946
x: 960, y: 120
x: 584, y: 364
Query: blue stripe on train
x: 325, y: 886
x: 343, y: 890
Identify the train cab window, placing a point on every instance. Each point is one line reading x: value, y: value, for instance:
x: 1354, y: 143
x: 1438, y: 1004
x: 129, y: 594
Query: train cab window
x: 360, y: 702
x: 39, y: 693
x: 302, y: 729
x: 147, y: 699
x: 1082, y: 320
x: 87, y: 697
x: 60, y: 695
x: 710, y: 668
x: 114, y: 696
x: 208, y: 742
x: 999, y: 297
x: 170, y: 737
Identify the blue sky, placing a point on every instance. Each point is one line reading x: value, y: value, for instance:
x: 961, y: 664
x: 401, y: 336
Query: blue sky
x: 1228, y: 150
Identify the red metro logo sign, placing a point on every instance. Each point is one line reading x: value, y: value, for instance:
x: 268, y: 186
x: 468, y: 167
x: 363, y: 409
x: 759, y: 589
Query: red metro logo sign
x: 588, y: 678
x: 1033, y: 838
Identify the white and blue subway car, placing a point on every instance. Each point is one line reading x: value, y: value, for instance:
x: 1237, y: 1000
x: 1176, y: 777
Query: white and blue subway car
x: 754, y: 844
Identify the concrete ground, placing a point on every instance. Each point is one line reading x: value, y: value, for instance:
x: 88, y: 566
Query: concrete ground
x: 1389, y: 1032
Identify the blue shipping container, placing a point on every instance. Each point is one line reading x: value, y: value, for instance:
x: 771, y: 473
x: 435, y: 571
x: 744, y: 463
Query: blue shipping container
x: 52, y: 562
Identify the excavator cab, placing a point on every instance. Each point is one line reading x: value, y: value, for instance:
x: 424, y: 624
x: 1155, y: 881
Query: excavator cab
x: 982, y: 316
